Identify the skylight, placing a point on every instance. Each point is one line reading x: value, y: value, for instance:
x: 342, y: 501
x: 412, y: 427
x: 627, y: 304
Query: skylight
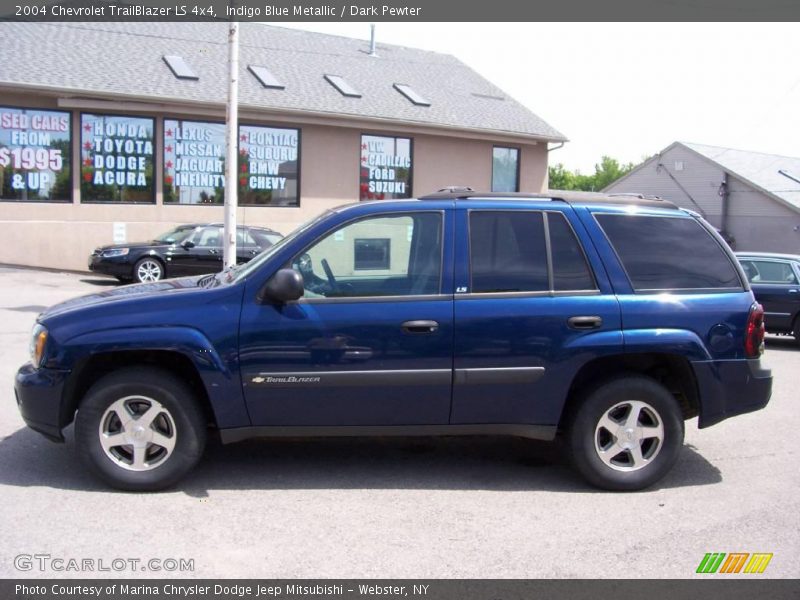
x: 266, y: 77
x: 179, y: 67
x: 344, y: 87
x: 411, y: 94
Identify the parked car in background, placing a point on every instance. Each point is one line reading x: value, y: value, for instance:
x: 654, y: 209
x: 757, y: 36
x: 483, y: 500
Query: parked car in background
x: 194, y: 249
x: 775, y: 279
x: 461, y: 313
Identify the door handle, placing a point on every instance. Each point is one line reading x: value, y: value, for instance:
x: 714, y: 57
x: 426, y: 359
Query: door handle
x: 417, y: 327
x: 792, y: 291
x: 213, y: 251
x: 583, y: 323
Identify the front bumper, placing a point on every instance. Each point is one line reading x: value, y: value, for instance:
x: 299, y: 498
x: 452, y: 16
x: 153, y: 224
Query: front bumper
x: 118, y: 266
x: 39, y: 395
x: 731, y: 387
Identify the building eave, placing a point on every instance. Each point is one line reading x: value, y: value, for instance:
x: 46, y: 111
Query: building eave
x: 82, y: 98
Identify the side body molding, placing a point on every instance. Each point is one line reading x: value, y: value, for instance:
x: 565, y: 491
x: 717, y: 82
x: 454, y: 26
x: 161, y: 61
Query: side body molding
x: 221, y: 382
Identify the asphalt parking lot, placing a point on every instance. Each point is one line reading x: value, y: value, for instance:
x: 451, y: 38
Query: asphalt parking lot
x: 400, y: 508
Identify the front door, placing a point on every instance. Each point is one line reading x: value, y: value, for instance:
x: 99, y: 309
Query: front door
x: 371, y: 342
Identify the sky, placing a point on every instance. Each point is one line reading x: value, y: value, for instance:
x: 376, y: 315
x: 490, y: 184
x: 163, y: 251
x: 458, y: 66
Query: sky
x: 628, y: 90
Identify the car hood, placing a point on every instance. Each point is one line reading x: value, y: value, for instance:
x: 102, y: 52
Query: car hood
x: 125, y: 292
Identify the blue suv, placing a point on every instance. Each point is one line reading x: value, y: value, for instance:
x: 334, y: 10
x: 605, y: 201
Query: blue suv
x: 605, y: 321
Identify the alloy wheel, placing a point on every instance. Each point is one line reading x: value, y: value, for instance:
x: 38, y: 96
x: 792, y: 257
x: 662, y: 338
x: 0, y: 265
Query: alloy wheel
x: 148, y: 271
x: 137, y: 433
x: 629, y: 435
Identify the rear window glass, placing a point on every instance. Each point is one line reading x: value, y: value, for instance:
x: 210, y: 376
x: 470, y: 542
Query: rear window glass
x: 664, y: 253
x: 570, y: 271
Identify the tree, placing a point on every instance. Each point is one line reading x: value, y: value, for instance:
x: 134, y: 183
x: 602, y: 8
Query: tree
x: 607, y: 171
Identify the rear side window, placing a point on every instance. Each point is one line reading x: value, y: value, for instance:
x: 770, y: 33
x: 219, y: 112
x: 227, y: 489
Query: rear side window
x: 508, y: 252
x: 665, y: 253
x: 570, y: 270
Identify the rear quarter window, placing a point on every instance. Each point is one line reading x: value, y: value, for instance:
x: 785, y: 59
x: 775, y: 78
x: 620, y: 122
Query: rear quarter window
x: 668, y: 253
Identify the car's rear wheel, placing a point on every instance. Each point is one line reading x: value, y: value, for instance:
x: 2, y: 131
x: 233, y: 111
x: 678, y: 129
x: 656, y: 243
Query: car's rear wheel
x: 140, y: 429
x: 148, y: 270
x: 626, y: 434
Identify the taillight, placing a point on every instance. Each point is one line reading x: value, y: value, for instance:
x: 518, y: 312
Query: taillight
x: 754, y: 332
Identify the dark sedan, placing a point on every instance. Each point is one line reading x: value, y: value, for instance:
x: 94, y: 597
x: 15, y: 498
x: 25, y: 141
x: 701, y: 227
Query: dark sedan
x: 185, y: 250
x: 775, y: 279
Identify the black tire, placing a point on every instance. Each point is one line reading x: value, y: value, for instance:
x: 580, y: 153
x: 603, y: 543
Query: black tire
x: 589, y: 439
x: 156, y: 267
x: 179, y: 415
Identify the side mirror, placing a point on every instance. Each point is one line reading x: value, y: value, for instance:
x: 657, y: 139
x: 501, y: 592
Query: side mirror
x: 187, y: 245
x: 285, y: 286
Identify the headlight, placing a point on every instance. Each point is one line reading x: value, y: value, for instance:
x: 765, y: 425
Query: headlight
x: 38, y: 341
x: 115, y: 252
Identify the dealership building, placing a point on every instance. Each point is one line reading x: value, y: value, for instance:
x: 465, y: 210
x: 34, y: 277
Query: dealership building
x: 114, y: 132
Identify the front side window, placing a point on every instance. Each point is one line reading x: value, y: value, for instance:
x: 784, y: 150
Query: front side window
x: 666, y: 253
x: 397, y: 255
x: 768, y: 271
x: 35, y: 155
x: 207, y: 237
x: 117, y: 158
x: 385, y: 168
x: 505, y: 169
x: 508, y: 252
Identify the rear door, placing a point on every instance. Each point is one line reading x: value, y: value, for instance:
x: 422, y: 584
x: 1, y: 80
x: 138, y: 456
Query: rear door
x: 531, y: 307
x: 775, y: 284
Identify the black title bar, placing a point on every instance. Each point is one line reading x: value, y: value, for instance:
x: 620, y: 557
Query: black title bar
x: 400, y: 10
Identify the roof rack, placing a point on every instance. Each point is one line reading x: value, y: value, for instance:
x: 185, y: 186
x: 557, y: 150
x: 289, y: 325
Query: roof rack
x: 638, y: 195
x: 569, y: 196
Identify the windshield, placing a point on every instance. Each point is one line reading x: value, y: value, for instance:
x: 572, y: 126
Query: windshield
x: 175, y: 235
x: 239, y: 272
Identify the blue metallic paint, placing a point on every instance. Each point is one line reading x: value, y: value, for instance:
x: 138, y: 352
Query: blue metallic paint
x: 230, y: 337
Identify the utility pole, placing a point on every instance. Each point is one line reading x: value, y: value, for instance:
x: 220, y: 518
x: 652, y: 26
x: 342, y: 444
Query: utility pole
x: 232, y: 134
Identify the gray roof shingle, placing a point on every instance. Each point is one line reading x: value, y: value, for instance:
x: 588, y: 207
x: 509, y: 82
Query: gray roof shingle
x: 125, y: 59
x: 774, y: 174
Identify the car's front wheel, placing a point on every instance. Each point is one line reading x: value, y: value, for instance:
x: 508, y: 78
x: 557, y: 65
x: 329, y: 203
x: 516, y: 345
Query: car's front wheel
x: 140, y: 429
x: 148, y: 270
x: 626, y: 434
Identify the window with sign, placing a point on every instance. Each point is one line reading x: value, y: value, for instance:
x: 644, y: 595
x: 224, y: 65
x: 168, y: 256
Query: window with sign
x: 194, y: 162
x: 505, y: 169
x: 35, y: 156
x: 117, y: 158
x: 385, y: 167
x: 269, y: 166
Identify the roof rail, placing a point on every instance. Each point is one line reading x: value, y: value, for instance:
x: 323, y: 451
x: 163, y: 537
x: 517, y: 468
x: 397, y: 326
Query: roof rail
x: 568, y: 196
x: 638, y: 195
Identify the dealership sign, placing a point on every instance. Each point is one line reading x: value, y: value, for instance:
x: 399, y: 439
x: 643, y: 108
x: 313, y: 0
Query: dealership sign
x: 34, y: 154
x: 117, y: 158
